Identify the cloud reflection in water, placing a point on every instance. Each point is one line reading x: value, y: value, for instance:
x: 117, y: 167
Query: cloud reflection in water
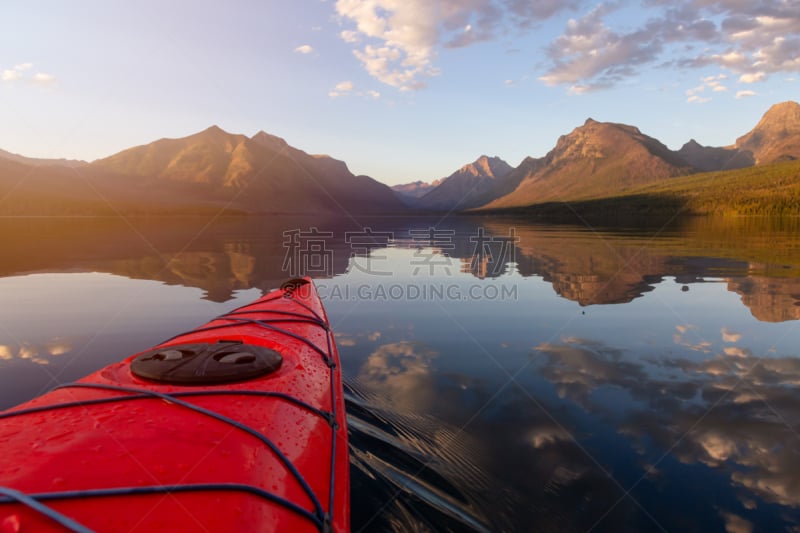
x: 744, y: 423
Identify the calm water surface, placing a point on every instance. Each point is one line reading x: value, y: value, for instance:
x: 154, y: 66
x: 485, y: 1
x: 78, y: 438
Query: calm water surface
x: 500, y: 375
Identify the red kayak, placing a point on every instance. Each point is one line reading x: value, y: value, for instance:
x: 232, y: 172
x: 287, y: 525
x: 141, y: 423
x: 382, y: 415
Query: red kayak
x: 238, y: 425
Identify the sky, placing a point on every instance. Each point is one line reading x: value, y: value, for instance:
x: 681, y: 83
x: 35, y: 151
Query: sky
x: 401, y: 90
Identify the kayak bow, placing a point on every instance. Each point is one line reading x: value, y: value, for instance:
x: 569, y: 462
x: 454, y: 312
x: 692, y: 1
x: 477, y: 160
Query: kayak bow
x: 238, y: 425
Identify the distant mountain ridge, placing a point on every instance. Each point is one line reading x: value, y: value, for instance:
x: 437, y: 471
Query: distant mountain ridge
x: 709, y: 158
x: 776, y: 137
x: 600, y: 159
x: 468, y: 186
x: 209, y: 170
x: 595, y: 159
x: 217, y: 171
x: 41, y: 161
x: 211, y: 156
x: 415, y: 189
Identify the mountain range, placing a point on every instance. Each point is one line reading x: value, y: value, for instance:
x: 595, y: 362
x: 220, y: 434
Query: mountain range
x: 210, y: 171
x: 410, y: 192
x: 602, y: 159
x: 36, y: 161
x: 216, y: 171
x: 470, y: 186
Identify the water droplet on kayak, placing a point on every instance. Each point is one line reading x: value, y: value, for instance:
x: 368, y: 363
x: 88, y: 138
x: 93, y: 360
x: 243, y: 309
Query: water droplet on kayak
x: 58, y: 436
x: 10, y: 524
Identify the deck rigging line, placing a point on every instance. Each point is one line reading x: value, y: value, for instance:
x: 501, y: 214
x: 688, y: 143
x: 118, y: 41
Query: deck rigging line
x: 238, y: 317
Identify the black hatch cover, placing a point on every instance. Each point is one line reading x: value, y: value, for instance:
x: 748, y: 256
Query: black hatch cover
x: 206, y: 364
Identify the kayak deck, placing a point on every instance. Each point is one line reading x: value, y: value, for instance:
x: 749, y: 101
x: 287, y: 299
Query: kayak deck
x: 118, y: 452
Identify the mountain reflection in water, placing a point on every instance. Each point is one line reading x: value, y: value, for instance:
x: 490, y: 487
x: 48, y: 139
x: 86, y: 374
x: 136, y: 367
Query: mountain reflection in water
x: 549, y: 378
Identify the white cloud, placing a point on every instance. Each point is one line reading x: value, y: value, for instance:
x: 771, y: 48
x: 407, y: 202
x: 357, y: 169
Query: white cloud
x: 715, y: 83
x: 579, y: 89
x: 752, y: 77
x: 735, y: 351
x: 399, y: 42
x: 304, y: 49
x: 750, y: 39
x: 19, y: 72
x: 349, y: 36
x: 402, y: 371
x: 345, y: 88
x: 402, y: 39
x: 591, y: 55
x: 732, y: 60
x: 380, y: 63
x: 546, y: 436
x: 10, y: 75
x: 736, y: 524
x: 694, y: 99
x: 342, y: 88
x: 761, y: 38
x: 745, y: 94
x: 40, y: 78
x: 730, y: 336
x: 695, y: 90
x: 6, y: 353
x: 712, y: 83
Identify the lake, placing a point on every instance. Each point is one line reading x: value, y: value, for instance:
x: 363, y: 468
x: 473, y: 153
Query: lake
x: 500, y: 374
